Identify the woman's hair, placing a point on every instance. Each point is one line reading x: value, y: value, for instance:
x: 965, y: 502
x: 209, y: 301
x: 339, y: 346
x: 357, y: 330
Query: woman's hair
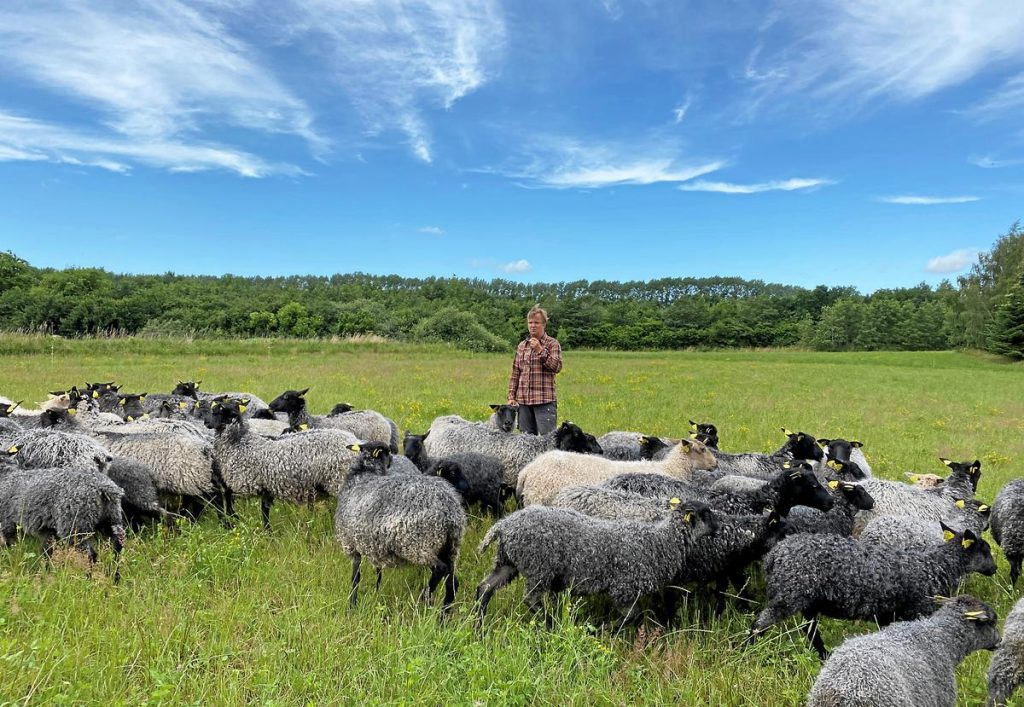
x: 537, y: 309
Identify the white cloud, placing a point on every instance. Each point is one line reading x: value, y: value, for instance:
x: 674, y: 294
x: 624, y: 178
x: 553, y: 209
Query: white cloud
x: 517, y: 266
x: 856, y: 51
x: 432, y: 230
x: 25, y: 139
x: 779, y: 185
x: 954, y: 262
x: 679, y: 112
x: 1006, y: 102
x: 988, y: 162
x: 927, y: 200
x: 393, y: 59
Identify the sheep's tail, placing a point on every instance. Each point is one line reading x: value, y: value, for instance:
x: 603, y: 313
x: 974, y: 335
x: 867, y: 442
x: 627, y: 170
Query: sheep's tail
x: 492, y: 534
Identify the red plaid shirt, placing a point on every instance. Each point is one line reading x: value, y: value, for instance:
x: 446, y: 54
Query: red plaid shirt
x: 533, y: 374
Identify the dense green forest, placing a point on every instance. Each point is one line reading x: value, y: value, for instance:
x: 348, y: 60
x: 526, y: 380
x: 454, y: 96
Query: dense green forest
x: 983, y: 309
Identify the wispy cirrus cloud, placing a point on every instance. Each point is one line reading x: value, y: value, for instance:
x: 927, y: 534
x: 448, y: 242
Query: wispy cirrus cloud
x: 516, y: 267
x: 153, y: 78
x: 778, y: 185
x: 680, y: 111
x: 431, y: 230
x: 25, y: 139
x: 956, y: 261
x: 1007, y: 101
x: 909, y: 200
x: 989, y: 162
x: 396, y: 59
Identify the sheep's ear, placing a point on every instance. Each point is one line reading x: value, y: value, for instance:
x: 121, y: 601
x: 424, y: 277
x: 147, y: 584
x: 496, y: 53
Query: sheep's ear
x: 978, y: 615
x: 833, y: 485
x: 95, y: 394
x: 947, y: 532
x: 975, y: 467
x: 822, y: 442
x: 945, y: 461
x: 693, y: 426
x: 353, y: 448
x: 967, y: 542
x: 644, y: 440
x: 130, y: 418
x: 13, y: 450
x: 182, y: 405
x: 241, y: 409
x: 426, y: 434
x: 494, y: 407
x: 303, y: 427
x: 914, y: 478
x: 856, y: 444
x: 302, y: 392
x: 787, y: 432
x: 833, y: 464
x: 787, y: 465
x: 673, y: 503
x: 72, y: 411
x: 120, y: 401
x: 984, y: 508
x: 145, y: 416
x: 685, y: 444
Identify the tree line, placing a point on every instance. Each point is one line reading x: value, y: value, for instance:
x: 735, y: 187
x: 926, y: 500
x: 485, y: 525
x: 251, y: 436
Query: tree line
x: 984, y: 309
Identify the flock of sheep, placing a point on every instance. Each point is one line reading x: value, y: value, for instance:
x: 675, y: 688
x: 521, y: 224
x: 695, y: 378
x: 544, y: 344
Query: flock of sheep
x: 630, y: 517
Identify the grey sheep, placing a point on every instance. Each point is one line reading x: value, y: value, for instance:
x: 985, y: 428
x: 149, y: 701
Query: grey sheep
x: 366, y: 425
x: 848, y: 499
x: 296, y: 467
x: 633, y: 446
x: 962, y: 481
x: 503, y: 417
x: 911, y: 532
x: 842, y: 578
x: 611, y: 504
x: 141, y: 501
x: 798, y: 446
x: 542, y: 479
x: 395, y: 520
x: 45, y: 448
x: 1007, y: 521
x: 68, y: 505
x: 556, y: 549
x: 899, y: 499
x: 1006, y: 669
x: 909, y: 663
x: 191, y: 389
x: 482, y: 472
x: 450, y: 434
x: 846, y: 451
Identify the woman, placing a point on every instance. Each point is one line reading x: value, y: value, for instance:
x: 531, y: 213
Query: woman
x: 532, y: 383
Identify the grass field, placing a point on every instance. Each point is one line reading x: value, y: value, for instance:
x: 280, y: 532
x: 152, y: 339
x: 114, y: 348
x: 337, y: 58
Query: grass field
x: 215, y: 616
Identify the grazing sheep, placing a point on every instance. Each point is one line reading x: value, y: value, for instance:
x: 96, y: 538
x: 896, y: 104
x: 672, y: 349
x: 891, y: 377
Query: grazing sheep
x: 450, y: 434
x: 366, y: 425
x: 633, y: 446
x: 69, y: 505
x: 828, y: 575
x: 45, y: 448
x: 481, y: 473
x: 1006, y: 669
x: 910, y: 532
x: 557, y: 549
x: 798, y: 446
x: 503, y: 417
x: 542, y: 479
x: 394, y: 520
x: 1008, y: 524
x: 296, y: 467
x: 849, y: 498
x: 909, y: 663
x: 893, y: 498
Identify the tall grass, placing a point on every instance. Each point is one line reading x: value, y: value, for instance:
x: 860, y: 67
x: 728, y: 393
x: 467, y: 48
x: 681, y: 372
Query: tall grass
x: 214, y: 616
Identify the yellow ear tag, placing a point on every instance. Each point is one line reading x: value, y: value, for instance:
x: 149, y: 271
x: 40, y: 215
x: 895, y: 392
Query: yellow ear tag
x: 72, y: 411
x: 142, y: 399
x: 786, y: 432
x: 688, y: 517
x: 642, y: 440
x: 974, y: 615
x: 13, y: 450
x: 967, y: 544
x: 693, y: 436
x: 212, y: 405
x: 376, y: 454
x: 95, y: 394
x: 833, y: 485
x: 945, y: 461
x: 947, y: 536
x: 121, y: 402
x: 673, y: 502
x: 10, y: 409
x: 833, y: 464
x: 303, y: 427
x: 130, y: 418
x: 241, y: 409
x: 182, y: 405
x: 982, y: 508
x: 959, y: 504
x: 914, y: 478
x: 355, y: 448
x: 693, y: 428
x: 786, y: 465
x: 145, y: 416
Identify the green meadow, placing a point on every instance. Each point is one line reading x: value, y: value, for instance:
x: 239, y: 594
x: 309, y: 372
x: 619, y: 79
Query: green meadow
x: 207, y: 615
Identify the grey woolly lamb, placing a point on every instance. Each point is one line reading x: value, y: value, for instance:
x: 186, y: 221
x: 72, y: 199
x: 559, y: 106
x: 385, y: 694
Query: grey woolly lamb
x: 394, y: 520
x: 449, y: 435
x: 1006, y: 669
x: 69, y: 505
x: 909, y: 663
x: 907, y: 532
x: 295, y: 467
x: 829, y: 575
x: 141, y: 501
x: 542, y: 479
x: 899, y: 499
x: 45, y: 448
x: 482, y: 472
x: 848, y: 499
x: 1007, y: 521
x: 556, y: 549
x: 367, y: 425
x: 798, y: 446
x: 611, y: 504
x: 503, y: 417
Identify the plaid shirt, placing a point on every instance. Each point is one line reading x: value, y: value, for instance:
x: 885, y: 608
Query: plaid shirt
x: 533, y: 374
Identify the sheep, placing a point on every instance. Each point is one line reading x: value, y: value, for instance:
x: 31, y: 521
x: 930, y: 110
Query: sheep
x: 908, y: 663
x: 798, y: 446
x: 704, y: 432
x: 1006, y: 669
x: 70, y: 505
x: 141, y: 501
x: 366, y: 425
x: 503, y: 417
x: 393, y: 520
x: 849, y: 498
x: 924, y: 481
x: 1007, y: 520
x: 556, y: 549
x: 542, y: 479
x: 910, y: 532
x: 633, y: 446
x: 402, y: 465
x: 30, y: 418
x: 191, y: 389
x: 340, y: 409
x: 829, y: 575
x: 962, y: 481
x: 846, y: 451
x: 899, y: 499
x: 450, y: 434
x: 482, y: 473
x: 45, y: 448
x: 296, y: 467
x: 794, y: 485
x: 611, y: 504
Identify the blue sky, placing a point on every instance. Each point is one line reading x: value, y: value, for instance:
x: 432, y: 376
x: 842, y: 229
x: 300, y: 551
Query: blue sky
x: 863, y: 142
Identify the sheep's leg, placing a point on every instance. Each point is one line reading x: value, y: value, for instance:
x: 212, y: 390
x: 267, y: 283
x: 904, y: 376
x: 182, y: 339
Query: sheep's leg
x: 721, y: 585
x: 380, y: 577
x: 266, y: 501
x: 498, y: 578
x: 49, y: 543
x: 357, y: 560
x: 451, y: 584
x: 814, y: 636
x: 667, y: 605
x: 117, y: 540
x: 1014, y: 570
x: 437, y: 572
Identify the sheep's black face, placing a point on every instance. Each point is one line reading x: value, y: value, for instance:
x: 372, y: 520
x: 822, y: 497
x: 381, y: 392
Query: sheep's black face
x: 130, y: 406
x: 452, y: 473
x: 857, y: 496
x: 649, y: 446
x: 223, y: 412
x: 8, y: 410
x: 798, y: 486
x: 374, y: 457
x: 978, y: 551
x: 340, y: 409
x: 803, y: 446
x: 969, y: 470
x: 412, y: 445
x: 570, y: 438
x: 289, y: 401
x: 593, y: 446
x: 187, y: 388
x: 263, y: 414
x: 505, y: 416
x: 697, y: 515
x: 53, y: 418
x: 838, y: 449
